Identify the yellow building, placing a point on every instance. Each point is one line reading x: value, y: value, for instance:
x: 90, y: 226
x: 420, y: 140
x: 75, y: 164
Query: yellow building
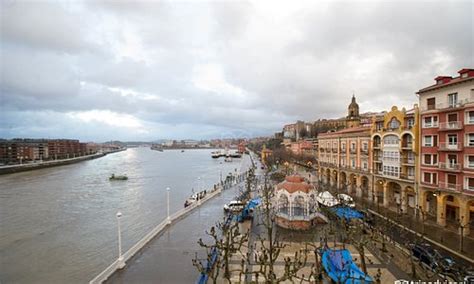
x: 395, y: 157
x: 265, y: 154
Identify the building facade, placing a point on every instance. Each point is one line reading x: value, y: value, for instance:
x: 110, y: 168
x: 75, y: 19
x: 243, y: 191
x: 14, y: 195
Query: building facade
x: 447, y: 150
x: 395, y: 156
x: 345, y: 156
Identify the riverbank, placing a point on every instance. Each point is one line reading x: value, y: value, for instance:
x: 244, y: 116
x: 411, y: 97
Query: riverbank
x: 47, y: 164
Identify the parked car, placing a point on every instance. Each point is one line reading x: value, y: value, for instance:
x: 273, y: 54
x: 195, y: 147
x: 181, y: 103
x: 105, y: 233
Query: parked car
x: 234, y: 206
x: 429, y: 257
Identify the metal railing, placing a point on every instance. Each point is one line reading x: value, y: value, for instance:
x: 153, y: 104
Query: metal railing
x: 450, y: 125
x: 449, y: 166
x: 407, y: 145
x: 101, y: 277
x: 449, y: 186
x: 446, y: 146
x: 307, y: 217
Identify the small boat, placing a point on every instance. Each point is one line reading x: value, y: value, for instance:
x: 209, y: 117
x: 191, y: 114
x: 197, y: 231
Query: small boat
x: 114, y: 177
x: 228, y: 159
x: 182, y: 151
x: 341, y: 268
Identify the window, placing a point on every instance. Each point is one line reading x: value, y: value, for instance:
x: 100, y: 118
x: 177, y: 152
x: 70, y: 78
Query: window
x: 410, y: 122
x: 470, y: 117
x: 353, y: 146
x: 470, y: 183
x: 391, y: 171
x: 394, y: 123
x: 470, y: 139
x: 452, y: 181
x: 464, y: 75
x: 470, y: 162
x: 343, y: 146
x: 430, y: 141
x: 365, y: 146
x: 430, y: 159
x: 391, y: 156
x: 452, y: 117
x: 364, y: 165
x: 430, y: 177
x: 379, y: 125
x: 452, y: 160
x: 431, y: 103
x: 353, y: 163
x: 390, y: 140
x: 411, y: 172
x: 453, y: 100
x: 452, y: 139
x: 430, y: 121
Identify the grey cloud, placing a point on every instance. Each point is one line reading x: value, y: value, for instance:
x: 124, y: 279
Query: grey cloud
x: 59, y: 58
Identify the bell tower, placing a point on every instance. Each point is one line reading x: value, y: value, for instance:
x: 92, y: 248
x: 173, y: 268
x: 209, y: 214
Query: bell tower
x: 353, y: 118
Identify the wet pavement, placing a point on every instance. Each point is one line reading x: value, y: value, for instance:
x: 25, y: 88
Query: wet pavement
x: 168, y: 258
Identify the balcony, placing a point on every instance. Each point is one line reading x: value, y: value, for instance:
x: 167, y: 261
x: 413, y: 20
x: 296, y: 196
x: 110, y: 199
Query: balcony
x: 353, y: 150
x: 456, y: 104
x: 445, y: 146
x: 376, y: 146
x: 334, y: 150
x: 407, y: 145
x: 408, y: 161
x: 378, y: 159
x: 449, y: 167
x: 407, y: 176
x: 449, y: 186
x: 343, y: 149
x: 451, y: 125
x: 364, y: 151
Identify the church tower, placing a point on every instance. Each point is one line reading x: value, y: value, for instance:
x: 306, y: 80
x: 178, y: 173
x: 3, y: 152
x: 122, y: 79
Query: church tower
x: 353, y: 118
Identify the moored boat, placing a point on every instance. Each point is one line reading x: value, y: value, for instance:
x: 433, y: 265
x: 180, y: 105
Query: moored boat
x: 119, y: 177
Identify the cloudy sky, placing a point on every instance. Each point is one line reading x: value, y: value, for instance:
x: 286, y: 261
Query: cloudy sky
x: 147, y: 70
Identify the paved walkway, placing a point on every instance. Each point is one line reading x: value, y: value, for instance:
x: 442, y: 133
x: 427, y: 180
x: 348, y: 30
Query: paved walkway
x: 168, y: 258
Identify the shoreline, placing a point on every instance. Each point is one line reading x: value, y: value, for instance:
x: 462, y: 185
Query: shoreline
x: 54, y: 163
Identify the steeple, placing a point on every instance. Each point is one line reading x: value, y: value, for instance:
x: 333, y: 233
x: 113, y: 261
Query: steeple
x: 353, y: 118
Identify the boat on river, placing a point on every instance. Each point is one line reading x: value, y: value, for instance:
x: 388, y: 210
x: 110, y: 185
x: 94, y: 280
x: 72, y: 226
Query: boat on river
x: 118, y: 177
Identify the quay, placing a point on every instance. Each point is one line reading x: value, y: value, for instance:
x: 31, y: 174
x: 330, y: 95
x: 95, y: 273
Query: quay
x: 9, y: 169
x: 176, y: 237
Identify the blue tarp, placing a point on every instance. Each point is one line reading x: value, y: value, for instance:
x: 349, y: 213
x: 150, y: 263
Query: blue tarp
x: 341, y: 269
x: 250, y: 205
x: 348, y: 213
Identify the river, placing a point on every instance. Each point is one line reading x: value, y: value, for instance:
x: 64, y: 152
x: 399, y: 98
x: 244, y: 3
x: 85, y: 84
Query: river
x: 58, y: 225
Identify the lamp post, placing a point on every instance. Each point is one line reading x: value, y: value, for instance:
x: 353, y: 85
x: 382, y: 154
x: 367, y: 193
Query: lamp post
x: 168, y: 220
x: 121, y: 263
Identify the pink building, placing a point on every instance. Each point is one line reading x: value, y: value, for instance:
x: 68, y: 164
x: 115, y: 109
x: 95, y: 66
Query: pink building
x: 447, y: 150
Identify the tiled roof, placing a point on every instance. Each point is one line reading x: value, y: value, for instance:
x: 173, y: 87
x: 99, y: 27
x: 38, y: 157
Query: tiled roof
x: 450, y: 83
x: 295, y: 183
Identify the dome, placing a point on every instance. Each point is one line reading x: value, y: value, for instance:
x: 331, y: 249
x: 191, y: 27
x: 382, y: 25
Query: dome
x: 295, y: 183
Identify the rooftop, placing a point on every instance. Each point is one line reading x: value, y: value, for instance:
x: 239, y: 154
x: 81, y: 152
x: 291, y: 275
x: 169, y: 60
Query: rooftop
x: 295, y: 183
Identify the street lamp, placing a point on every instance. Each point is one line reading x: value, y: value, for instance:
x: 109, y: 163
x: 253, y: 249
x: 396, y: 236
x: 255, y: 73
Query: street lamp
x: 121, y: 263
x: 168, y: 220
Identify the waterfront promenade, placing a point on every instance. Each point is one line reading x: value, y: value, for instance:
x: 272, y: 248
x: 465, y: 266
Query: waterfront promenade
x: 168, y: 257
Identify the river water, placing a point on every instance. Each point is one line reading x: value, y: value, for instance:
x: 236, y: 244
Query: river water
x: 58, y: 225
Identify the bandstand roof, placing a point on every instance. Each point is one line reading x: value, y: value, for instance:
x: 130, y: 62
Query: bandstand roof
x: 295, y: 183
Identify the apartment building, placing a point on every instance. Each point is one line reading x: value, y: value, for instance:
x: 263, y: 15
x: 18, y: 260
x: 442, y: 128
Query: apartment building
x: 345, y: 156
x: 447, y: 150
x: 395, y: 156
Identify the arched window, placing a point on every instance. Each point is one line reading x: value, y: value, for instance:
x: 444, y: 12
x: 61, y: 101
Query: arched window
x: 394, y: 123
